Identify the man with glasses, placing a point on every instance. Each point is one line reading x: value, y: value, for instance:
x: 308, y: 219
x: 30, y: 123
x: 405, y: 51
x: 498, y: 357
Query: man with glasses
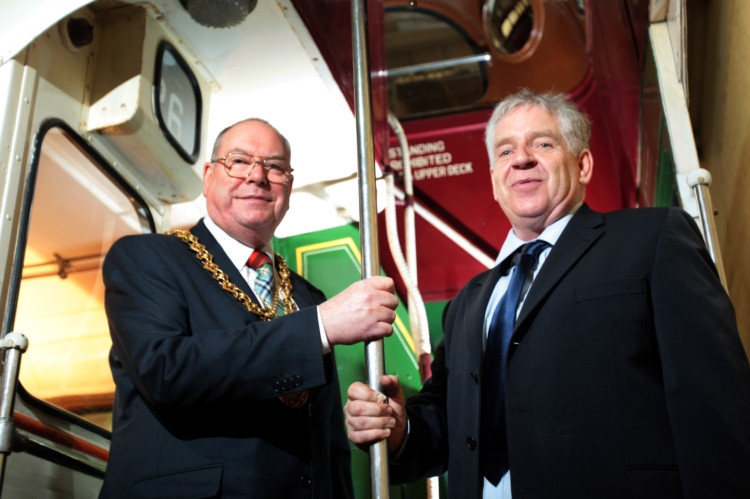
x: 222, y: 357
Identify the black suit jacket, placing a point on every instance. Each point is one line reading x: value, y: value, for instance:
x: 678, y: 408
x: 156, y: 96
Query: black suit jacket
x: 626, y: 377
x: 198, y: 377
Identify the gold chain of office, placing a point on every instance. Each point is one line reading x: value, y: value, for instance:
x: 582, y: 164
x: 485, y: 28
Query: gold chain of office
x: 265, y: 313
x: 293, y: 400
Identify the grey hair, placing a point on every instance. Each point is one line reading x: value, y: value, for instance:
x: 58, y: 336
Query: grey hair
x: 574, y: 125
x: 220, y: 136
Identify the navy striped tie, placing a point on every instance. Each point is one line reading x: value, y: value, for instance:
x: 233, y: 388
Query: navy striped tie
x: 494, y: 445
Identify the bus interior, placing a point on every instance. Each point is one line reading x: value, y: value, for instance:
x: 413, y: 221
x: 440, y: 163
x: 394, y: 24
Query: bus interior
x: 109, y: 110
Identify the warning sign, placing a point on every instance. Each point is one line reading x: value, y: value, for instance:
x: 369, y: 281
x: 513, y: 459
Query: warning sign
x: 429, y: 160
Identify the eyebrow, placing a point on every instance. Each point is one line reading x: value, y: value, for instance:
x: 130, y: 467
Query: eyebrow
x: 270, y: 156
x: 535, y: 134
x: 545, y: 133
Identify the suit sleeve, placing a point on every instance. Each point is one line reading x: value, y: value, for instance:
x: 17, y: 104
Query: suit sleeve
x: 705, y: 369
x: 186, y: 344
x: 425, y: 452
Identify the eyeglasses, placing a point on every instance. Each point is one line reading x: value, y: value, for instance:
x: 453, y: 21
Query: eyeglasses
x: 238, y: 165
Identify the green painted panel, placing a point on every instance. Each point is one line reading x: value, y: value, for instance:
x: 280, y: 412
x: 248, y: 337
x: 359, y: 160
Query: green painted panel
x: 666, y: 188
x: 331, y: 261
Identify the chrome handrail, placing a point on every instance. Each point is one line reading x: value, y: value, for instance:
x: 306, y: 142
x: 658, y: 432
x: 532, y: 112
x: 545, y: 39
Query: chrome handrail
x: 374, y: 355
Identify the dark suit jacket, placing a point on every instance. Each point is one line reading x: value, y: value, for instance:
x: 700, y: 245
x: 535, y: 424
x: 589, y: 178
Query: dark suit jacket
x: 198, y: 378
x: 626, y: 377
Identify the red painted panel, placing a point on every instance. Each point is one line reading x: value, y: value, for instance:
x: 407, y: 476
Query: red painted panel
x: 451, y: 175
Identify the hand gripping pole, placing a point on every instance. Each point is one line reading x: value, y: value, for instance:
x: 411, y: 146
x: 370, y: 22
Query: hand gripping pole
x: 374, y: 357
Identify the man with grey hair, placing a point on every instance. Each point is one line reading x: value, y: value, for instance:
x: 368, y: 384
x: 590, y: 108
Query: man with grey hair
x: 599, y: 358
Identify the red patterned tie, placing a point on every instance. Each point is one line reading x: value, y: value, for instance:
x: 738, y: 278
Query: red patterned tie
x: 264, y: 280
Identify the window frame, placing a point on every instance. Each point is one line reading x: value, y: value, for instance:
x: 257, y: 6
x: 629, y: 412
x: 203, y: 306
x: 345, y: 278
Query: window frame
x: 140, y: 207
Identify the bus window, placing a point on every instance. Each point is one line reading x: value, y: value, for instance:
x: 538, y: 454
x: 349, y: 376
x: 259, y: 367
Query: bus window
x: 510, y: 24
x: 77, y: 213
x: 415, y: 37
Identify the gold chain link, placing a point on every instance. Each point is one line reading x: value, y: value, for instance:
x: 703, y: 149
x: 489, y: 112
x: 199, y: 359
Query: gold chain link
x: 265, y: 313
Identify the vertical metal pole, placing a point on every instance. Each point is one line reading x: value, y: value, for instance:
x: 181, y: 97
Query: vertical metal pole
x: 374, y: 358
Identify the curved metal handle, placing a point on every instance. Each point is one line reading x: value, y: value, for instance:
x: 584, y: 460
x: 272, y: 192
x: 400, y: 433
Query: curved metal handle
x: 700, y: 180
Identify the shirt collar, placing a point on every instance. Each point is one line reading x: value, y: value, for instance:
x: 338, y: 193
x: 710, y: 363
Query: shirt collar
x: 237, y: 252
x: 551, y: 234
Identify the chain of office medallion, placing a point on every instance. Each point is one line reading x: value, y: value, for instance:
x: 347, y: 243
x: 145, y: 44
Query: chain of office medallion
x: 265, y: 313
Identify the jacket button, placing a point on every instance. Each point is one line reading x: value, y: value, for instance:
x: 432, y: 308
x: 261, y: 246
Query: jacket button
x: 475, y: 377
x: 471, y: 443
x: 306, y: 481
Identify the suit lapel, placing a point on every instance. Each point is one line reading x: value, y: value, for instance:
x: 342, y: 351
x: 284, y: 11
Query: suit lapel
x: 582, y: 231
x: 301, y: 293
x: 301, y: 296
x: 221, y: 259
